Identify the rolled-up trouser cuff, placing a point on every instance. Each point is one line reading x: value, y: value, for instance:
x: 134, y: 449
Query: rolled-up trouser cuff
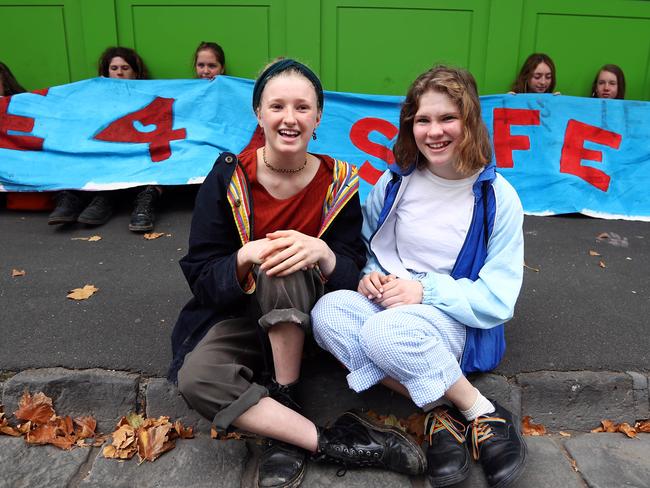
x: 246, y: 400
x: 287, y: 299
x: 366, y: 376
x: 424, y: 391
x: 284, y: 315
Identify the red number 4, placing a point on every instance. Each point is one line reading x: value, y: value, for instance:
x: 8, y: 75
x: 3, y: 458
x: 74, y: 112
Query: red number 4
x: 155, y: 121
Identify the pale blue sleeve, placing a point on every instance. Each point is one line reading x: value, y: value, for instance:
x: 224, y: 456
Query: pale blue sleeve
x: 490, y: 300
x: 371, y: 210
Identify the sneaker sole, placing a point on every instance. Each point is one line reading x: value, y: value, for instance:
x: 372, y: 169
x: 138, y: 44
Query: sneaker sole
x: 83, y: 220
x: 140, y: 228
x: 61, y: 220
x: 398, y: 432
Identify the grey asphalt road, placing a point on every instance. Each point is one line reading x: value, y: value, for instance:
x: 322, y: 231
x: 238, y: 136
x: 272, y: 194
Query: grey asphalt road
x: 573, y: 314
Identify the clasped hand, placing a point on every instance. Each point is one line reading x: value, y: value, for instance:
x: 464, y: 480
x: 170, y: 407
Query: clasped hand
x: 390, y: 291
x: 284, y: 252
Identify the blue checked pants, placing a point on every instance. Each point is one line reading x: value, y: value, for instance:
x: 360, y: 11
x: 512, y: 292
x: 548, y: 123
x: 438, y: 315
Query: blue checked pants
x: 417, y: 345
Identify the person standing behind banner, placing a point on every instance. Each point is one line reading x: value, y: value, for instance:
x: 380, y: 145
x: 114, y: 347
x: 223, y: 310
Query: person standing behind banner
x: 8, y: 83
x: 209, y: 60
x: 609, y: 83
x: 72, y: 206
x: 273, y: 229
x: 537, y: 75
x: 445, y: 251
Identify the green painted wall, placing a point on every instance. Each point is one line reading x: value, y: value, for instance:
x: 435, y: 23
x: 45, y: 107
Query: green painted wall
x: 372, y: 46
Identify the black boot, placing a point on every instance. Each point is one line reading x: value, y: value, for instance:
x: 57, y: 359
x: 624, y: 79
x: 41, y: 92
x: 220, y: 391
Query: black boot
x: 143, y: 215
x: 98, y: 211
x: 447, y: 453
x: 282, y: 465
x: 354, y: 441
x: 69, y: 205
x: 497, y: 442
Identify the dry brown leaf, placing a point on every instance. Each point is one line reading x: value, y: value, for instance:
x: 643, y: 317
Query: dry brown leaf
x: 17, y: 272
x: 9, y: 430
x: 43, y: 434
x: 601, y: 263
x: 602, y: 235
x: 82, y: 293
x: 529, y: 428
x: 564, y: 434
x: 642, y: 426
x: 183, y: 433
x: 152, y: 422
x: 574, y: 465
x: 225, y: 437
x: 593, y: 253
x: 124, y: 444
x: 536, y: 270
x: 37, y: 409
x: 153, y: 441
x: 85, y: 427
x: 605, y: 426
x: 89, y: 239
x: 627, y: 429
x: 415, y: 426
x: 24, y: 427
x: 5, y: 428
x: 153, y: 235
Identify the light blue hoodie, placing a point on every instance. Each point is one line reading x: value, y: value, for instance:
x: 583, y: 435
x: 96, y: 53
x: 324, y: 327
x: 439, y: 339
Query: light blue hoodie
x: 484, y: 284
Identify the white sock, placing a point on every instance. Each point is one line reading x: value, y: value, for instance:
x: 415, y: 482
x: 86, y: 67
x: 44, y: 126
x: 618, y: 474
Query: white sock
x: 482, y: 406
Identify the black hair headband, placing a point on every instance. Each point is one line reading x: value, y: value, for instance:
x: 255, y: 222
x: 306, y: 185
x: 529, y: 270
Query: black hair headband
x: 277, y: 68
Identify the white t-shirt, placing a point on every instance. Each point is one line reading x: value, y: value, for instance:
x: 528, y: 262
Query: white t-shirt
x: 433, y: 217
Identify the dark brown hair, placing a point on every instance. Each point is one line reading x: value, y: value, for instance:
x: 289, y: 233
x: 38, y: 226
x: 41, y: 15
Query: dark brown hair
x: 8, y: 81
x: 520, y: 85
x: 474, y: 149
x: 620, y: 80
x: 216, y: 49
x: 128, y: 55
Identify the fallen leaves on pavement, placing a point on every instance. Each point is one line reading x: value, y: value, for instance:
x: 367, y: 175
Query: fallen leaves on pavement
x: 82, y: 293
x: 149, y: 438
x: 413, y: 424
x: 153, y: 235
x: 642, y: 426
x: 43, y: 426
x: 89, y: 239
x: 529, y: 428
x: 17, y: 272
x: 602, y: 264
x: 623, y: 427
x: 593, y: 253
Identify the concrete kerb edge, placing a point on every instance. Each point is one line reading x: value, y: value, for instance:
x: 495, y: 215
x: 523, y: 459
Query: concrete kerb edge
x: 573, y: 400
x: 579, y: 400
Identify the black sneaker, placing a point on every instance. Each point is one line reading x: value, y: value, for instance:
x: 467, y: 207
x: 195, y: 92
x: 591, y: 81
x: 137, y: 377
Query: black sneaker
x: 143, y: 215
x: 447, y: 453
x: 497, y: 443
x: 98, y: 211
x: 69, y: 205
x: 281, y: 465
x: 354, y: 441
